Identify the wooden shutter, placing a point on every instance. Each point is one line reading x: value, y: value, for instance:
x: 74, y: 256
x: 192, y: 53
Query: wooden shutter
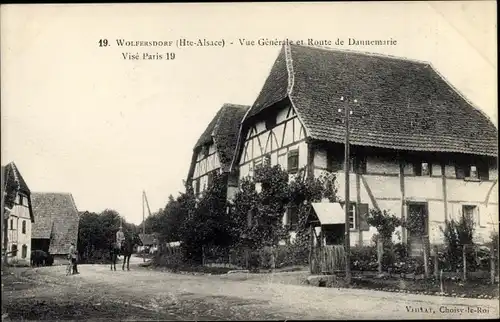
x: 293, y: 161
x: 210, y: 179
x: 363, y: 213
x: 197, y: 186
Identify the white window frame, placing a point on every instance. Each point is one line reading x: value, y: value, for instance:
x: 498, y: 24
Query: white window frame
x: 352, y: 211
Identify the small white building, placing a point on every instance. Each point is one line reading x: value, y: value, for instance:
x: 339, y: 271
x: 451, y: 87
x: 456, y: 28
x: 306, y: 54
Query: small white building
x: 18, y: 215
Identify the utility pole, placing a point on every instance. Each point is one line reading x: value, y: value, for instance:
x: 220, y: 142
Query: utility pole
x: 347, y: 205
x: 143, y: 228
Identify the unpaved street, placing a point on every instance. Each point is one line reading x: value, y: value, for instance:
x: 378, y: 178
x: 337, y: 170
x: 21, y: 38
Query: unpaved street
x: 149, y: 294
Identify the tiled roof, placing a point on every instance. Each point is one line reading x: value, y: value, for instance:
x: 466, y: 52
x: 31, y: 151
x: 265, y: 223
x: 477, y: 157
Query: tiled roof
x: 223, y: 131
x: 56, y: 218
x: 12, y: 177
x: 401, y: 104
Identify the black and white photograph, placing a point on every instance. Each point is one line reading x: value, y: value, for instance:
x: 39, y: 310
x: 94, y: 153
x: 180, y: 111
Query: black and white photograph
x: 249, y: 161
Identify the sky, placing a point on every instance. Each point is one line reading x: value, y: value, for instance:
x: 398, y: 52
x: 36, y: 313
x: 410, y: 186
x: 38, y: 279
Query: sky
x: 78, y: 118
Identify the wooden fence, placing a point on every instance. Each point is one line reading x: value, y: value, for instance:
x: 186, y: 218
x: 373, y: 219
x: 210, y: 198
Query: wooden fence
x: 431, y: 260
x: 327, y: 259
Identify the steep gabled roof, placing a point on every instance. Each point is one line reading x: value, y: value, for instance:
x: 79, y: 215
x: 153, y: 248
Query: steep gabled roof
x: 401, y: 104
x: 56, y: 218
x: 12, y: 175
x: 223, y: 132
x: 12, y: 178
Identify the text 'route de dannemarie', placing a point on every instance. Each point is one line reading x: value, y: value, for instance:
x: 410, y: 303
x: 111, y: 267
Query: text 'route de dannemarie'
x: 221, y: 43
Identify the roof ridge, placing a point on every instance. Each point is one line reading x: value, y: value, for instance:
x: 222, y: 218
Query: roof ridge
x: 289, y: 68
x: 291, y: 83
x: 52, y: 192
x: 235, y: 105
x: 364, y: 53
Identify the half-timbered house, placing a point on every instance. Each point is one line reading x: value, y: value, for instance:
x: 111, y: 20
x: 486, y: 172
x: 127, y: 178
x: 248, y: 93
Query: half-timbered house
x: 213, y: 152
x: 418, y: 147
x: 17, y: 215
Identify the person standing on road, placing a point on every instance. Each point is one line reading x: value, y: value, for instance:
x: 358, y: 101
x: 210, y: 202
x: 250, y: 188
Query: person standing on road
x: 73, y: 255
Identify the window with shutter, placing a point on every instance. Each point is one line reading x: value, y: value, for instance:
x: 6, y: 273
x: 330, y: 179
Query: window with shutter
x: 24, y: 227
x: 24, y: 251
x: 363, y: 214
x: 197, y: 186
x: 210, y: 179
x: 293, y: 161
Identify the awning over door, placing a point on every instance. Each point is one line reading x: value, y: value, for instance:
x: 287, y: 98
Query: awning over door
x: 329, y: 213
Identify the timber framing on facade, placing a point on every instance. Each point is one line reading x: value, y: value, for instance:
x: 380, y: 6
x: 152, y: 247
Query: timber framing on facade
x: 17, y: 214
x: 418, y: 146
x: 213, y: 152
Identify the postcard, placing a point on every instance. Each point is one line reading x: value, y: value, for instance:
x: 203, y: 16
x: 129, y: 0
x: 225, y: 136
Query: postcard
x: 249, y: 161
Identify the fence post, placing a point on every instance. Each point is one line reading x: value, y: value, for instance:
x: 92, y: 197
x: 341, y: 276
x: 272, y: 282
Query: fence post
x: 426, y: 259
x: 441, y: 282
x: 247, y: 255
x: 464, y: 255
x: 380, y: 252
x: 436, y: 262
x: 311, y: 242
x: 492, y: 264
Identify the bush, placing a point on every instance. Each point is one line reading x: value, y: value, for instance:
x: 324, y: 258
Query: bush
x: 364, y: 258
x: 173, y: 261
x: 456, y: 235
x: 291, y: 255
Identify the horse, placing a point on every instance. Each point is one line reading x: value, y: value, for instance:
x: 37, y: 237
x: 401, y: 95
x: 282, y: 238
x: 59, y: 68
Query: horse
x: 126, y: 251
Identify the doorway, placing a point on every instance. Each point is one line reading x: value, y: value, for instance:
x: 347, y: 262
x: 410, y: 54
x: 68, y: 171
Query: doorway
x: 418, y: 227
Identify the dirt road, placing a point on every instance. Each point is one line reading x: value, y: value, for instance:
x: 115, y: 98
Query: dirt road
x: 148, y: 294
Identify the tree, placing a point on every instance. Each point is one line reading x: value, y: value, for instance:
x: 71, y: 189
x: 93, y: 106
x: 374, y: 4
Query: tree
x: 96, y: 232
x: 385, y: 223
x: 207, y: 223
